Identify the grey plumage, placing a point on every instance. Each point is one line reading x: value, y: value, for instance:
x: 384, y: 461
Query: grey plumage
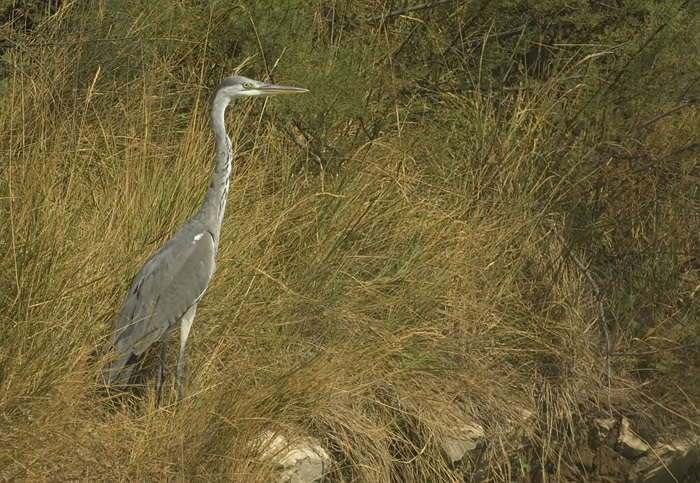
x: 165, y: 291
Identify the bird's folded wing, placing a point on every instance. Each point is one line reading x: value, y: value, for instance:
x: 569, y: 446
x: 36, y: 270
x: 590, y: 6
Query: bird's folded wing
x: 172, y: 280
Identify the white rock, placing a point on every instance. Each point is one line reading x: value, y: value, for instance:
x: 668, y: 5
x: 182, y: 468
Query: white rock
x: 629, y: 444
x: 461, y: 440
x: 299, y: 461
x: 667, y: 462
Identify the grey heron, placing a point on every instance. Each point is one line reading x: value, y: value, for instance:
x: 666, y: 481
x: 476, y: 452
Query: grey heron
x: 165, y: 291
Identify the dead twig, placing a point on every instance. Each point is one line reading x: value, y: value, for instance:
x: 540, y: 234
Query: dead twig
x: 599, y: 302
x: 676, y: 108
x: 396, y: 13
x: 657, y: 351
x: 643, y: 125
x: 485, y: 88
x: 477, y: 41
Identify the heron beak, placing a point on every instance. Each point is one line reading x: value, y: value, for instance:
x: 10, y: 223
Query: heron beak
x: 274, y: 89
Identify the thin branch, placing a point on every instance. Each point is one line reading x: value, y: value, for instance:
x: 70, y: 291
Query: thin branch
x: 637, y: 130
x: 657, y: 351
x: 586, y: 272
x: 688, y: 147
x: 485, y: 88
x: 130, y: 38
x: 477, y: 41
x: 602, y: 90
x: 678, y: 107
x: 599, y: 301
x: 413, y: 8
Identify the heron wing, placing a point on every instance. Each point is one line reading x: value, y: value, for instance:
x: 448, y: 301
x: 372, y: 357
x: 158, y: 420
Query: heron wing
x: 171, y: 281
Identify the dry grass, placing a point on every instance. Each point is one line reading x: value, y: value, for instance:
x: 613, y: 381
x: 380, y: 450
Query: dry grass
x: 374, y: 307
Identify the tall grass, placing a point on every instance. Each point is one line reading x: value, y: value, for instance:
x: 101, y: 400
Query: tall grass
x: 375, y: 300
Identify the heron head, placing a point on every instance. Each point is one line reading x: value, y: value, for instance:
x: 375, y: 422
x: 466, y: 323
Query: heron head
x: 239, y: 86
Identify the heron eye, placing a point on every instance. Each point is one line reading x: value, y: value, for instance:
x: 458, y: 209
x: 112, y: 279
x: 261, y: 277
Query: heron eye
x: 247, y: 85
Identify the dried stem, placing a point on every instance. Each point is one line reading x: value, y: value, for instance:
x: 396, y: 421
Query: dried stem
x: 599, y: 301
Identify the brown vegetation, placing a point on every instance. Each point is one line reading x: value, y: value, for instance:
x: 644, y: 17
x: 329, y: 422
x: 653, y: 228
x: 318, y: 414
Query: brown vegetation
x: 482, y: 208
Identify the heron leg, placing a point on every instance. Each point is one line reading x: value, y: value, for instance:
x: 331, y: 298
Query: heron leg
x: 161, y: 368
x: 185, y: 326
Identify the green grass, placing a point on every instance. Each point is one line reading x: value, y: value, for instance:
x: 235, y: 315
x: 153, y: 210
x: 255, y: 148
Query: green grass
x: 386, y: 269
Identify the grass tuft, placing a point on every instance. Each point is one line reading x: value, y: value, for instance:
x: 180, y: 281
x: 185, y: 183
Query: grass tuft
x: 390, y: 265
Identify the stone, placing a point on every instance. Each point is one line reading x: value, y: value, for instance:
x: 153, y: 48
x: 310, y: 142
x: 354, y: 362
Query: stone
x: 667, y: 462
x: 301, y: 461
x: 600, y: 429
x: 629, y: 444
x: 461, y: 440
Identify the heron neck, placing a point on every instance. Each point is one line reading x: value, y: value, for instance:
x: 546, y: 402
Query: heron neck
x: 212, y: 210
